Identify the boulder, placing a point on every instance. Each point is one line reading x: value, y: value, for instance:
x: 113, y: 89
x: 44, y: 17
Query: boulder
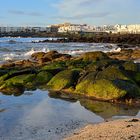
x: 9, y: 88
x: 100, y: 89
x: 131, y: 66
x: 43, y: 77
x: 112, y: 73
x: 42, y: 57
x: 109, y: 84
x: 21, y: 79
x: 64, y: 79
x: 54, y: 67
x: 94, y: 56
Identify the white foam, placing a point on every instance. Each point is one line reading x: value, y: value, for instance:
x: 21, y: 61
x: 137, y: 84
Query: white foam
x: 118, y: 49
x: 32, y: 51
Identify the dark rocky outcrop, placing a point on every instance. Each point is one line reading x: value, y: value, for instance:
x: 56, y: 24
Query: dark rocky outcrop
x: 125, y: 54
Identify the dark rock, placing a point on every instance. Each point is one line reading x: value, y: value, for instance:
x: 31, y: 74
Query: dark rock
x: 64, y: 79
x: 43, y: 78
x: 94, y: 56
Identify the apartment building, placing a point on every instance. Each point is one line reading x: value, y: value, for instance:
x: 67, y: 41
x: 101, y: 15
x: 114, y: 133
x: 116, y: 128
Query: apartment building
x: 135, y: 28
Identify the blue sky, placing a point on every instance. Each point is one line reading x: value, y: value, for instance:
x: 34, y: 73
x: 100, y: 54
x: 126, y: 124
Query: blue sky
x: 45, y: 12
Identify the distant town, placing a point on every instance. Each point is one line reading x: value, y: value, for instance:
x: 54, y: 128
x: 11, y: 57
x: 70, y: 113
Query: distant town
x: 75, y: 28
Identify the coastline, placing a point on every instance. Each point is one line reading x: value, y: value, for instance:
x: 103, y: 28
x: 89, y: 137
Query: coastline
x: 133, y: 39
x: 116, y: 129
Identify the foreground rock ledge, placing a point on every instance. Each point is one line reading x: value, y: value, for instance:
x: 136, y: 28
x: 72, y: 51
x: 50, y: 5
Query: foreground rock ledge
x: 126, y: 129
x: 93, y: 75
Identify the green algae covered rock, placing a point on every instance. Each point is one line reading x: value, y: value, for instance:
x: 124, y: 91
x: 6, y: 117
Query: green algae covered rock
x: 137, y: 78
x: 21, y: 79
x: 130, y: 87
x: 54, y: 67
x: 112, y: 73
x: 14, y: 73
x: 101, y: 89
x: 130, y: 66
x: 64, y: 79
x: 107, y: 85
x: 12, y: 88
x: 77, y: 63
x: 25, y: 81
x: 94, y: 56
x: 43, y: 77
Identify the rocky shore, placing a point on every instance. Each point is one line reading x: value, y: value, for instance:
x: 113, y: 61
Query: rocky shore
x: 125, y: 129
x: 110, y: 77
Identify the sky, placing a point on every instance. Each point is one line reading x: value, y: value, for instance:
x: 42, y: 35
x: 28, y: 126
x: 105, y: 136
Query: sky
x: 46, y: 12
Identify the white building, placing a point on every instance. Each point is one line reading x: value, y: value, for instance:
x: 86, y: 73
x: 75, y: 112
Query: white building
x: 24, y: 29
x: 134, y: 29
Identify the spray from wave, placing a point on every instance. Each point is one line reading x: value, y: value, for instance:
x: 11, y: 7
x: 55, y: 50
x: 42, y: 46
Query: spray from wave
x: 19, y: 55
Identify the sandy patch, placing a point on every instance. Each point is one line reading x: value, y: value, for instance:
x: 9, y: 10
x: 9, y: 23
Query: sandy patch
x: 125, y: 129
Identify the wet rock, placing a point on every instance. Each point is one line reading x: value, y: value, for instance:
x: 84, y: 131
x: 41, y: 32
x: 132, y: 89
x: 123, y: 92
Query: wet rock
x: 134, y: 120
x: 112, y: 73
x: 125, y: 54
x: 94, y: 56
x: 14, y: 73
x: 92, y: 74
x: 131, y: 66
x: 64, y: 79
x: 10, y: 88
x: 42, y: 57
x: 110, y: 83
x: 43, y: 77
x: 7, y: 65
x: 100, y: 89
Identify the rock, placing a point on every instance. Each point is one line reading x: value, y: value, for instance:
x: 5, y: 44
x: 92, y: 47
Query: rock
x: 37, y: 56
x: 54, y: 67
x: 21, y: 79
x: 131, y: 88
x: 43, y: 77
x: 63, y: 80
x: 93, y: 74
x: 109, y: 83
x: 7, y: 65
x: 131, y: 66
x: 42, y: 57
x: 135, y: 54
x: 77, y: 63
x: 9, y: 88
x: 137, y: 78
x: 25, y: 63
x: 14, y: 73
x: 94, y: 56
x: 3, y: 72
x: 112, y: 73
x: 101, y: 65
x: 100, y: 89
x: 125, y: 54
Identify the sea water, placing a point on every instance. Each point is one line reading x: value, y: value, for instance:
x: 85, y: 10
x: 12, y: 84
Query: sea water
x: 23, y: 48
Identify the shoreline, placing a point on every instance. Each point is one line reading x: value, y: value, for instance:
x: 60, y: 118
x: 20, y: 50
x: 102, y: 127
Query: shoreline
x: 132, y: 39
x: 116, y: 129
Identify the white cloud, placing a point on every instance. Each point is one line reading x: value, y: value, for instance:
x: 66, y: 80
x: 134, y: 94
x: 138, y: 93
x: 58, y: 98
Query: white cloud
x: 78, y: 10
x: 20, y: 12
x: 95, y: 11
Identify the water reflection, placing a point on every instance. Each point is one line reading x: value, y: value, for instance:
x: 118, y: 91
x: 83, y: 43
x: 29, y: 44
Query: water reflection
x: 104, y: 109
x: 39, y: 114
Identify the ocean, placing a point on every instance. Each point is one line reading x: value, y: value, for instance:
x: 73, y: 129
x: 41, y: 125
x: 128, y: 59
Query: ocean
x: 23, y: 48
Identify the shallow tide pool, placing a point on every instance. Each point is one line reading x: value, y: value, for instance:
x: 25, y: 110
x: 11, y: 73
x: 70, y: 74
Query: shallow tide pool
x: 41, y: 115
